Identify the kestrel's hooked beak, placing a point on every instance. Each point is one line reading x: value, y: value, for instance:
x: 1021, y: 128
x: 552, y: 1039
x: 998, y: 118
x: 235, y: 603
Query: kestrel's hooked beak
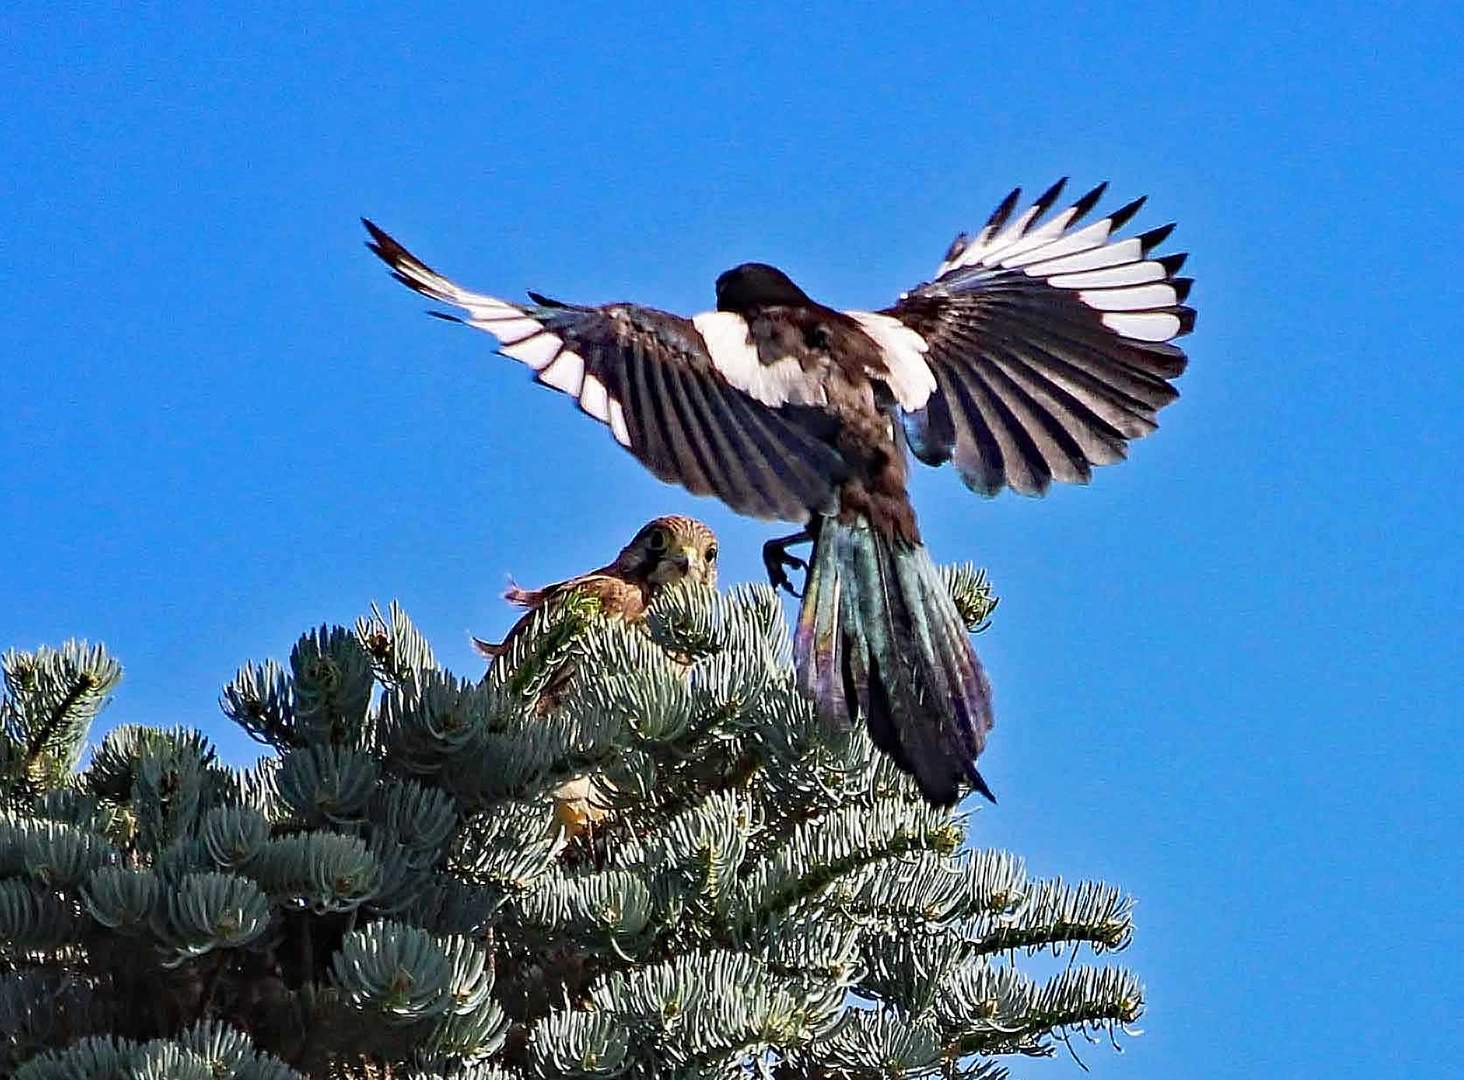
x: 684, y: 559
x: 679, y: 562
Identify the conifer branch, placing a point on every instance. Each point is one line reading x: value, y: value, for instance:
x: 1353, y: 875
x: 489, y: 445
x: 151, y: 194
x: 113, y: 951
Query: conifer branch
x: 392, y: 890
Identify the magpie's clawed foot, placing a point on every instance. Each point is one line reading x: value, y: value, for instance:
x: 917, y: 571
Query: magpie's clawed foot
x: 778, y: 561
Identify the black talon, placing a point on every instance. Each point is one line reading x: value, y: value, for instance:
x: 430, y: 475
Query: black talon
x: 777, y: 561
x: 778, y: 577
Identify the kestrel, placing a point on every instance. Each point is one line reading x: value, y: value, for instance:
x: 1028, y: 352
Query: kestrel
x: 1040, y: 348
x: 663, y: 552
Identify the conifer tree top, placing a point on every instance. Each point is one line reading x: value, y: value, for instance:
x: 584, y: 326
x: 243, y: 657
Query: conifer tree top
x: 388, y: 891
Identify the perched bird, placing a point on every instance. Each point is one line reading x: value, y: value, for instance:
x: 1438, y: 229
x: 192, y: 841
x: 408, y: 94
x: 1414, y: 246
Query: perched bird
x: 1038, y: 350
x: 662, y: 552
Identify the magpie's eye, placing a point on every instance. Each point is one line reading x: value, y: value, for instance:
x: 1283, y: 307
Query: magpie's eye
x: 657, y: 540
x: 711, y: 555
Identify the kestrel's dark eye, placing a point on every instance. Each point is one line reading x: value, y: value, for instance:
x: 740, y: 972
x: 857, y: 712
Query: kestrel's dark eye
x: 712, y: 554
x: 657, y: 540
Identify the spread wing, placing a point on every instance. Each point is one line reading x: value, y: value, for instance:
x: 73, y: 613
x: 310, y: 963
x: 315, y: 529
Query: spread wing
x: 745, y: 433
x: 1049, y: 344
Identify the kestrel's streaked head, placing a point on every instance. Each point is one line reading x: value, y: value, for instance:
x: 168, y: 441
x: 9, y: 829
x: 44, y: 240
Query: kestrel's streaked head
x: 670, y: 549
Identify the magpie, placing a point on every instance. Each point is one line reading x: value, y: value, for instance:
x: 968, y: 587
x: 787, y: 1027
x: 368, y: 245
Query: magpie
x: 1040, y: 347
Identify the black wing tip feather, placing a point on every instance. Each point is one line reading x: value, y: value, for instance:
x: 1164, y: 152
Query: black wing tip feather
x: 1004, y: 209
x: 397, y: 258
x: 1127, y: 379
x: 383, y: 245
x: 982, y: 788
x: 1085, y: 205
x: 1047, y: 198
x: 1124, y: 214
x: 1148, y: 241
x: 1041, y: 205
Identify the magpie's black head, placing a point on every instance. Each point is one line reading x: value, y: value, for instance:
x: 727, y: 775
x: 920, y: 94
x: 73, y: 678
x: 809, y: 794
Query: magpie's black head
x: 754, y: 285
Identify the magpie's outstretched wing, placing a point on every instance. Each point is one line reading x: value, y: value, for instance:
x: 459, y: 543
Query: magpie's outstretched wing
x: 1049, y: 344
x: 750, y: 434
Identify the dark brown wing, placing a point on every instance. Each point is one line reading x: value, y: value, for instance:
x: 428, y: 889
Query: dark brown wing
x: 1049, y: 344
x: 649, y: 376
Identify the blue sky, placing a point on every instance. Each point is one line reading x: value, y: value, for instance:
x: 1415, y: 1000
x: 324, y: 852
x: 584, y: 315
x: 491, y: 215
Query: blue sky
x: 1228, y: 672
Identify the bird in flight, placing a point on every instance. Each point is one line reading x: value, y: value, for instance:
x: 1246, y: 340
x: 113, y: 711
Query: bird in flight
x: 663, y: 552
x: 1040, y: 348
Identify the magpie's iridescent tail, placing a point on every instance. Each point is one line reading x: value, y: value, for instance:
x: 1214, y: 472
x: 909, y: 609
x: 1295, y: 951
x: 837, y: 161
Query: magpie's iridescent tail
x: 879, y: 632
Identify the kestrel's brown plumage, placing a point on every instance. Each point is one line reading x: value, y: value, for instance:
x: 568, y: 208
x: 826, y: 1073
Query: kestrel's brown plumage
x: 667, y: 550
